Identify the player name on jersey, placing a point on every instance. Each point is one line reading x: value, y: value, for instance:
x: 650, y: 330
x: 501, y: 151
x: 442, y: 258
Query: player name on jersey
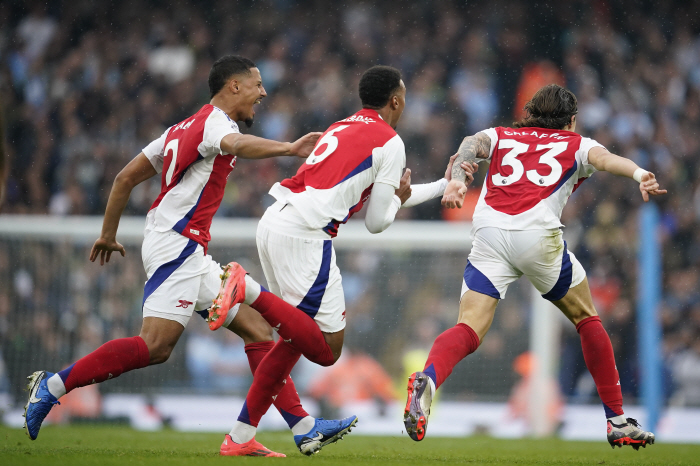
x: 533, y: 172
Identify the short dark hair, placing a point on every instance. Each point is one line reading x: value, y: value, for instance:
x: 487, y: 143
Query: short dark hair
x: 378, y: 84
x: 224, y: 68
x: 551, y: 107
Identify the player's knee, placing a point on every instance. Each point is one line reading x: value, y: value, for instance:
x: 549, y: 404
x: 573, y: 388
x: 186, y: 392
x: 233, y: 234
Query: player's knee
x: 159, y: 353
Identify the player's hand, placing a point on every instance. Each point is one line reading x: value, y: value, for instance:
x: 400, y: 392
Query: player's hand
x: 649, y: 185
x: 104, y: 248
x: 454, y: 194
x: 469, y: 169
x: 303, y: 146
x: 404, y: 191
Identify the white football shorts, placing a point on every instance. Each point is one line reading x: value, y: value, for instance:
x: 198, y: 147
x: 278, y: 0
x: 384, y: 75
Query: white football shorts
x: 301, y: 270
x: 499, y: 257
x: 181, y: 278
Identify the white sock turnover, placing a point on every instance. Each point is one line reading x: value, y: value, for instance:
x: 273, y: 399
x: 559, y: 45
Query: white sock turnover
x: 242, y: 432
x: 252, y: 290
x: 56, y: 386
x: 304, y: 426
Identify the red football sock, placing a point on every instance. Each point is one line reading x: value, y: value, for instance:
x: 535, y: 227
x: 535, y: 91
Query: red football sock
x: 295, y: 325
x: 269, y: 379
x: 600, y: 360
x: 107, y: 362
x: 287, y: 401
x: 450, y: 347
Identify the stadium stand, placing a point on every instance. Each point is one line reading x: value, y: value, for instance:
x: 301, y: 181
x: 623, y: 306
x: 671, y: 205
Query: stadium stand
x: 85, y: 87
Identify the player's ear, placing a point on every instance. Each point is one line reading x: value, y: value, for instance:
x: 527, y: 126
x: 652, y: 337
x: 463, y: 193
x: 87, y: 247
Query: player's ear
x: 233, y: 86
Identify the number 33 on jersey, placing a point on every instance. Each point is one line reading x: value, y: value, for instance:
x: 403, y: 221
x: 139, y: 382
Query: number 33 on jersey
x: 533, y: 172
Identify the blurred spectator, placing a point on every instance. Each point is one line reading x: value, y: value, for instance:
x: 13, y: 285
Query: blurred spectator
x: 85, y: 87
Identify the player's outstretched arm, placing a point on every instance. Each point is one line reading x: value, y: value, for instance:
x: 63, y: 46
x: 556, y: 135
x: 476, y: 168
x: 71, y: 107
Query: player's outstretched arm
x: 247, y: 146
x: 603, y: 160
x: 427, y: 191
x: 137, y: 171
x: 385, y: 201
x: 473, y: 149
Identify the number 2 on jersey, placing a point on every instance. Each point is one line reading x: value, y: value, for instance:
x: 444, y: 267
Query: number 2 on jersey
x: 511, y: 160
x: 331, y: 145
x: 171, y: 146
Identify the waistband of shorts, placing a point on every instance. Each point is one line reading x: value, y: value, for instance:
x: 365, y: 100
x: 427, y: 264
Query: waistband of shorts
x: 285, y: 219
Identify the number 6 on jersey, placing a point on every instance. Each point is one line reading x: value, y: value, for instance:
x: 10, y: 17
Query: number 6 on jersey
x: 331, y: 145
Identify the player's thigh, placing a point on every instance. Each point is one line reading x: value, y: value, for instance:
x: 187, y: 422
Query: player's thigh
x: 577, y: 303
x: 308, y: 278
x: 545, y: 260
x: 477, y: 311
x: 173, y: 266
x: 489, y: 270
x: 262, y: 243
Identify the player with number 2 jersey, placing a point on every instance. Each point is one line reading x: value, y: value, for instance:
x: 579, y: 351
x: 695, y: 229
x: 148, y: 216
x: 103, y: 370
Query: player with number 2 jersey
x: 194, y: 158
x: 534, y: 168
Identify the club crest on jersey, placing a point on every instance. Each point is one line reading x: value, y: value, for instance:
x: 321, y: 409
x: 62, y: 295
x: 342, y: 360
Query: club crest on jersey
x: 184, y: 304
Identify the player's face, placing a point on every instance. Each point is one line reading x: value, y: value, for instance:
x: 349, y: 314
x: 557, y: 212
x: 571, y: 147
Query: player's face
x: 251, y: 92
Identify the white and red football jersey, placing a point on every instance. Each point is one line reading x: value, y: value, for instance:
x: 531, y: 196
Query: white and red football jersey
x: 338, y: 176
x: 533, y: 172
x: 194, y: 173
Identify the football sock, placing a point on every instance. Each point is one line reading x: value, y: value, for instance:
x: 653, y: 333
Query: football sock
x: 450, y: 347
x: 287, y: 401
x: 293, y: 325
x: 56, y: 386
x: 600, y: 360
x: 107, y: 362
x: 252, y: 290
x: 269, y: 379
x: 242, y: 433
x: 304, y: 426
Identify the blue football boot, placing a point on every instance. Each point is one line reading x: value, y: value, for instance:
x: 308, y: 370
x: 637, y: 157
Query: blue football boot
x: 324, y: 433
x: 39, y: 404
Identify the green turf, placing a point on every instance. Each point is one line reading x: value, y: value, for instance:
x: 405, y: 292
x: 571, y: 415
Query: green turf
x: 112, y: 445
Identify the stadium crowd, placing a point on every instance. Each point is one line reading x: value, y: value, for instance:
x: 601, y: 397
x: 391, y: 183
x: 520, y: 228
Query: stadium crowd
x: 85, y: 88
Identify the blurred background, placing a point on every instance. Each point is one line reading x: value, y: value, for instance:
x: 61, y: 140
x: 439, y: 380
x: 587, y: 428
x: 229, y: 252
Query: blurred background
x: 85, y: 87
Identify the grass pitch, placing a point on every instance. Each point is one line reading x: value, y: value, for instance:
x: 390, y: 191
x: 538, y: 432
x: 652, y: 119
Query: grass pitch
x: 105, y: 445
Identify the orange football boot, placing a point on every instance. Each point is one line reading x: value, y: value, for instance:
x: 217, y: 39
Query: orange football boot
x: 250, y: 448
x: 231, y: 292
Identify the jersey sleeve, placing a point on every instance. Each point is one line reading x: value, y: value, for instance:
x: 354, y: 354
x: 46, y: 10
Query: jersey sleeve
x: 155, y: 150
x: 391, y: 162
x: 217, y: 126
x: 493, y: 134
x: 582, y: 155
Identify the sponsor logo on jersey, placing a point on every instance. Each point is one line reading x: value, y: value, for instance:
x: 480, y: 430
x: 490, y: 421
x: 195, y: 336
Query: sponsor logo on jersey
x: 183, y: 304
x: 194, y: 232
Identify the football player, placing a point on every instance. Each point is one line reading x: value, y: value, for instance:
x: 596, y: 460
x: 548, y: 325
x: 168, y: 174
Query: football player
x: 534, y: 168
x: 358, y: 160
x: 194, y: 158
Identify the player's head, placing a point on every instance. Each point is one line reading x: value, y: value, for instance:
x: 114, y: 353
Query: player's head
x: 381, y: 87
x: 238, y: 81
x: 552, y: 107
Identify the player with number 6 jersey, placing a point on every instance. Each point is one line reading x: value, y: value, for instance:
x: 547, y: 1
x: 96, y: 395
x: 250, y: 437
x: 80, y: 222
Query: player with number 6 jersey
x: 195, y: 158
x: 358, y: 160
x: 534, y: 168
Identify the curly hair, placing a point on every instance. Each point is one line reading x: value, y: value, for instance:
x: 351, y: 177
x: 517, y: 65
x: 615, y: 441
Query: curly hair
x: 377, y: 85
x: 551, y: 107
